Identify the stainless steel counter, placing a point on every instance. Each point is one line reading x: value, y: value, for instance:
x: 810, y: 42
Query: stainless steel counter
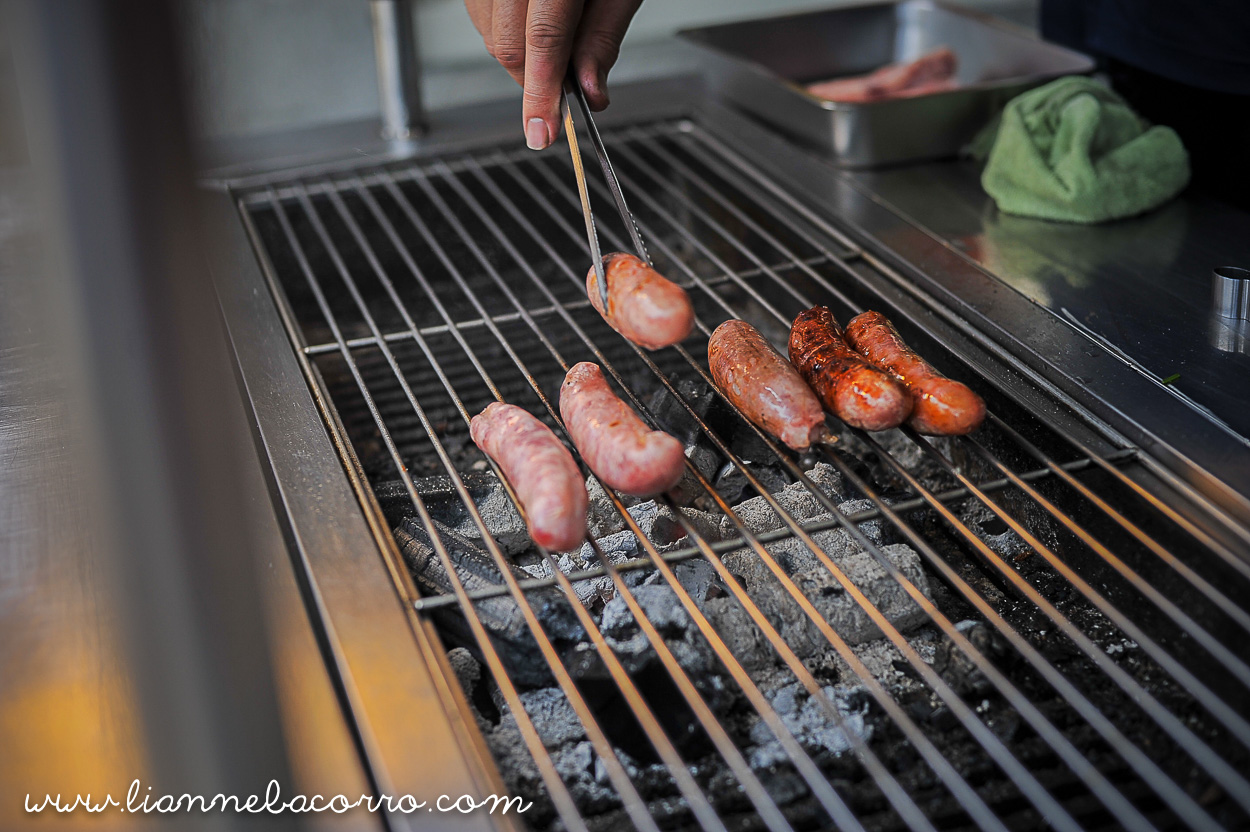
x: 1141, y: 285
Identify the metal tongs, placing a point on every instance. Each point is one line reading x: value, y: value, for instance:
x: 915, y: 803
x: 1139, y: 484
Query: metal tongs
x: 573, y: 92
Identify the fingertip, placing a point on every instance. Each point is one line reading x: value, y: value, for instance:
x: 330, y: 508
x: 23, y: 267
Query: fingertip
x: 593, y: 82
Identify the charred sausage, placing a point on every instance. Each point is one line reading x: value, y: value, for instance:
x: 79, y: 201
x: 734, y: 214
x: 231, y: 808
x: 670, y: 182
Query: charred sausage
x: 542, y: 471
x: 622, y: 451
x: 643, y: 305
x: 858, y: 393
x: 763, y: 385
x: 942, y: 406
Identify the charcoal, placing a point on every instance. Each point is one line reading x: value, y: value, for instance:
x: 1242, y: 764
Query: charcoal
x: 502, y: 618
x: 443, y: 502
x: 554, y: 718
x: 666, y: 613
x: 658, y: 524
x: 795, y: 498
x: 957, y: 669
x: 602, y: 518
x: 827, y: 594
x: 673, y: 416
x: 807, y: 718
x: 739, y: 633
x: 500, y: 517
x: 689, y: 491
x: 732, y: 483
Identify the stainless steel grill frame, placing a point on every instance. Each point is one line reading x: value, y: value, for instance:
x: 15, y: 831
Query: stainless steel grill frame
x: 423, y: 190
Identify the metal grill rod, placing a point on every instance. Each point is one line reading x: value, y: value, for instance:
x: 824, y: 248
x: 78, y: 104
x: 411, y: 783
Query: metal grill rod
x: 789, y: 200
x: 884, y: 779
x: 1216, y: 597
x: 1235, y: 664
x: 802, y: 299
x: 632, y: 801
x: 560, y: 796
x: 816, y: 617
x: 751, y: 785
x: 1186, y: 738
x: 706, y: 251
x: 702, y: 810
x: 1142, y: 764
x: 722, y: 547
x: 802, y: 761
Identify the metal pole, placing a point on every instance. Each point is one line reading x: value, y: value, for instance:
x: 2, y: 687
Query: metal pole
x: 399, y: 69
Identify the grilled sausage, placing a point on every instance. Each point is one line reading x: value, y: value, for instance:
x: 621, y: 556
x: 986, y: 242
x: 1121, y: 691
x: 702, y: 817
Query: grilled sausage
x: 622, y: 451
x: 943, y: 406
x: 858, y: 393
x: 763, y: 385
x: 643, y: 305
x: 542, y: 471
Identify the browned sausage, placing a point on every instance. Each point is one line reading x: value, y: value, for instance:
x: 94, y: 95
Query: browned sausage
x: 763, y: 385
x: 622, y: 451
x: 541, y: 469
x: 943, y: 406
x: 643, y: 305
x: 858, y: 393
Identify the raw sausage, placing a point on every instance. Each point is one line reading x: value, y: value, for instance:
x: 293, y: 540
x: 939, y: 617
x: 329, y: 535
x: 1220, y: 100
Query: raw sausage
x: 622, y: 451
x: 542, y: 471
x: 930, y: 73
x: 763, y: 385
x: 858, y: 393
x: 643, y: 305
x: 943, y: 406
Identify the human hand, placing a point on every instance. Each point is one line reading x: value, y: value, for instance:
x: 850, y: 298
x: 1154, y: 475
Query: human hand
x: 536, y: 40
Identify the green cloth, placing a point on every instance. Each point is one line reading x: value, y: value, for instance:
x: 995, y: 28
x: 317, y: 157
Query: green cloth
x: 1074, y: 151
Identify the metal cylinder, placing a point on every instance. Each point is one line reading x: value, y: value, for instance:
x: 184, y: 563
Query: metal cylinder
x: 399, y: 70
x: 1231, y: 292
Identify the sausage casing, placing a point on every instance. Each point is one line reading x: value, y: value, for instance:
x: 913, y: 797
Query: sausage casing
x: 618, y: 446
x: 943, y: 407
x: 858, y: 393
x: 643, y: 305
x: 540, y: 468
x: 764, y: 386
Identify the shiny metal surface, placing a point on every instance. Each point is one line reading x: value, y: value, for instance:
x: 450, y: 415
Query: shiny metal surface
x: 387, y: 664
x: 763, y: 66
x: 1230, y: 288
x: 399, y: 68
x: 583, y: 193
x: 1121, y: 310
x: 609, y: 176
x: 701, y: 200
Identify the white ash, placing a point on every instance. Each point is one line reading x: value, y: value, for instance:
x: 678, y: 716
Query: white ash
x: 662, y: 608
x: 811, y: 724
x: 468, y: 671
x: 602, y: 518
x: 501, y: 519
x: 758, y: 516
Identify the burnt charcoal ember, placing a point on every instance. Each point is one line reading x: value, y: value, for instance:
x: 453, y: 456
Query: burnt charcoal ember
x: 602, y: 518
x: 672, y: 414
x: 826, y: 593
x: 957, y: 669
x: 444, y: 504
x: 502, y: 618
x: 688, y: 491
x: 758, y: 516
x: 665, y: 612
x: 810, y: 722
x: 732, y: 483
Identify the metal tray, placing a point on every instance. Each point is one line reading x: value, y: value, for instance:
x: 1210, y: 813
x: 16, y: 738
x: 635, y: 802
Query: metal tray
x: 762, y: 66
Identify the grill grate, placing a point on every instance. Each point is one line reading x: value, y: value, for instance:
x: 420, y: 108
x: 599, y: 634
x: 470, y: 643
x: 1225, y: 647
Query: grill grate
x: 1109, y: 661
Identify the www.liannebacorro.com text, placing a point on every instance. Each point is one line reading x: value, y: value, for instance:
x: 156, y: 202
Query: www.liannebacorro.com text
x: 142, y: 801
